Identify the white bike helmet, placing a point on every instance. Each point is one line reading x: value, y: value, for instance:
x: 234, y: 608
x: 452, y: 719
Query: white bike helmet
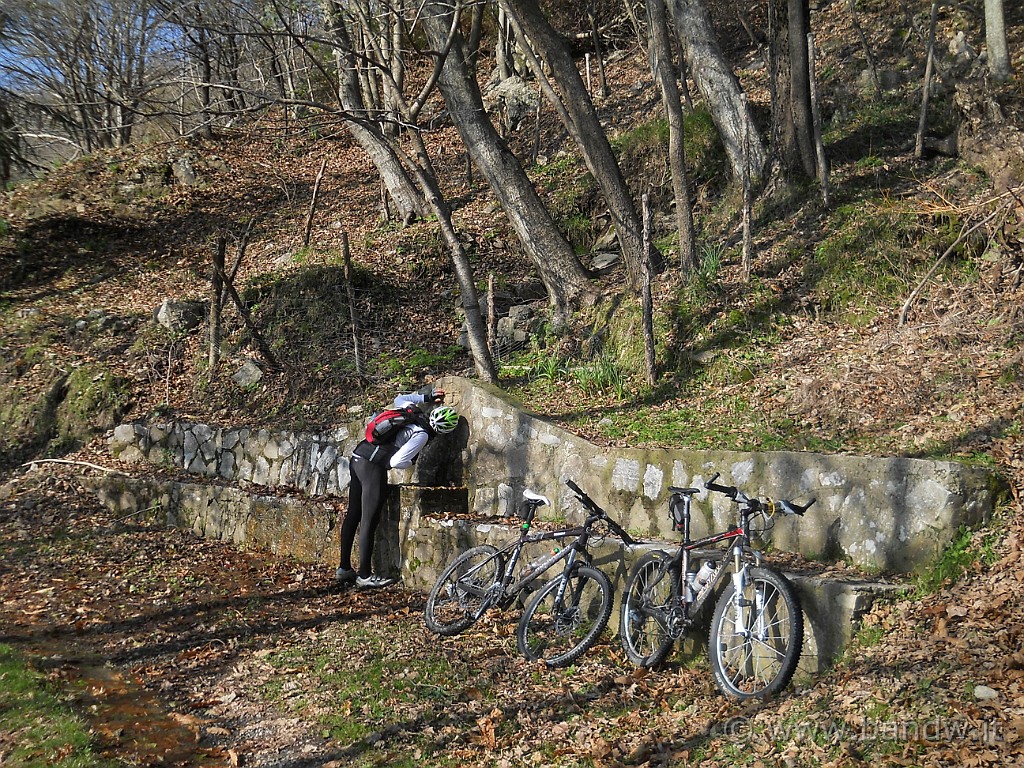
x: 444, y: 419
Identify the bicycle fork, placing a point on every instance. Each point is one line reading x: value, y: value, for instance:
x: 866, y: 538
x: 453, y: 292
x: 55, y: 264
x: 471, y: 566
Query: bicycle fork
x: 750, y: 618
x: 740, y: 601
x: 563, y: 584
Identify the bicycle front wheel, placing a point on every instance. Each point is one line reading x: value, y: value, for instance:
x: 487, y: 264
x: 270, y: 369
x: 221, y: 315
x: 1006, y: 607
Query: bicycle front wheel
x: 455, y: 599
x: 756, y: 636
x: 560, y: 631
x: 649, y: 593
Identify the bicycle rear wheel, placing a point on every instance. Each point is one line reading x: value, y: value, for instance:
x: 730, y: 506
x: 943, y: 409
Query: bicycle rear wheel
x: 756, y: 637
x: 650, y: 591
x: 559, y: 632
x: 459, y: 592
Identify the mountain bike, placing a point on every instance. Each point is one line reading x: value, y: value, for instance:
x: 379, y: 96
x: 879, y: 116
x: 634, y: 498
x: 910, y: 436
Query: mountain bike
x: 564, y: 617
x: 757, y: 628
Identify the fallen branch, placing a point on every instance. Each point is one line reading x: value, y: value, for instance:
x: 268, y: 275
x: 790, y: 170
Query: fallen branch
x: 261, y: 344
x: 312, y: 205
x: 136, y: 513
x: 76, y: 463
x: 964, y: 234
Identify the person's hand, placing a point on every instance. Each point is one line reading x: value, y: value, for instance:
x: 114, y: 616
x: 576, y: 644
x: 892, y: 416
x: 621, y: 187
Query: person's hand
x: 438, y: 396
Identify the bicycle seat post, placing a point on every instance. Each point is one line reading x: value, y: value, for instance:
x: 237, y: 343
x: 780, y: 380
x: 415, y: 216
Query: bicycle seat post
x: 679, y: 505
x: 531, y: 510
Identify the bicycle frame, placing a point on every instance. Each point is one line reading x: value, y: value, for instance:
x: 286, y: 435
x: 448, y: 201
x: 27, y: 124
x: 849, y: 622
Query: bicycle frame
x: 756, y: 630
x: 743, y: 556
x: 489, y: 576
x: 509, y: 586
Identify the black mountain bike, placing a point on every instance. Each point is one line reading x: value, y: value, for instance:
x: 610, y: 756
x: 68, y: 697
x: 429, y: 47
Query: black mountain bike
x: 757, y: 628
x: 564, y: 617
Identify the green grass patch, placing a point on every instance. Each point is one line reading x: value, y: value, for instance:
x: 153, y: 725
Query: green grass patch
x: 38, y: 728
x: 366, y: 682
x: 967, y: 550
x: 867, y: 259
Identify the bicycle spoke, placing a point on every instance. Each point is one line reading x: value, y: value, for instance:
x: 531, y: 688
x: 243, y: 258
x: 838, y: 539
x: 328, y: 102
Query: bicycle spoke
x: 643, y: 624
x: 758, y: 656
x: 559, y: 631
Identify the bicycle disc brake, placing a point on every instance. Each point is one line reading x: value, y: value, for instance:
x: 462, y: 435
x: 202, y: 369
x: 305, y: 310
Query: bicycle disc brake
x: 567, y: 621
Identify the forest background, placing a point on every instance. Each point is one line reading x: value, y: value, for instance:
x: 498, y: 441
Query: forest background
x: 685, y: 223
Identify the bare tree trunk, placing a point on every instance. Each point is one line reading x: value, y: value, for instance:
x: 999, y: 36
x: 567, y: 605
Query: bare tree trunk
x: 475, y: 326
x: 552, y: 255
x: 872, y: 68
x: 719, y: 87
x: 407, y: 198
x: 581, y: 120
x: 205, y: 75
x: 799, y: 84
x: 661, y: 60
x: 504, y: 46
x: 999, y: 64
x: 792, y: 121
x: 476, y: 29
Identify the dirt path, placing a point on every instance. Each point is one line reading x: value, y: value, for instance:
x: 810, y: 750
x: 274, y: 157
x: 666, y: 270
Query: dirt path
x: 192, y: 653
x: 162, y: 635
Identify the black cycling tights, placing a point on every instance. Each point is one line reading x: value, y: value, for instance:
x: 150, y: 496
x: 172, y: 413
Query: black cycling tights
x: 365, y: 499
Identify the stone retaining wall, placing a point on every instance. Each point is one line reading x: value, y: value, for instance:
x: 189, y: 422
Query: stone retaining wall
x: 892, y: 514
x: 312, y: 463
x: 307, y: 530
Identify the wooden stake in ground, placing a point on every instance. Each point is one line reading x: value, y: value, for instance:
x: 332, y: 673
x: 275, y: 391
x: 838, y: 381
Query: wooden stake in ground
x: 353, y: 319
x: 261, y: 345
x: 491, y: 314
x: 927, y: 87
x: 312, y: 205
x: 819, y: 147
x: 216, y: 299
x: 647, y: 298
x: 748, y: 246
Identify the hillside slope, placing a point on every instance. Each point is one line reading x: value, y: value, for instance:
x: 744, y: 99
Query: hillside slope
x: 808, y: 354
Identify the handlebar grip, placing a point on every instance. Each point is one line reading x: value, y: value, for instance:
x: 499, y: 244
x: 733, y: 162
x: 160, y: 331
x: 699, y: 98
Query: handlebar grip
x: 588, y: 502
x: 790, y: 508
x: 806, y: 506
x: 728, y: 490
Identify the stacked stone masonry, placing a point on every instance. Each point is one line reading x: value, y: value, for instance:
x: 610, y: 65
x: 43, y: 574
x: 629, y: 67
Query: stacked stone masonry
x: 882, y: 514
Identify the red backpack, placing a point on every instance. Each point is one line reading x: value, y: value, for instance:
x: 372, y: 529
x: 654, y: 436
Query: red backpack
x: 385, y: 425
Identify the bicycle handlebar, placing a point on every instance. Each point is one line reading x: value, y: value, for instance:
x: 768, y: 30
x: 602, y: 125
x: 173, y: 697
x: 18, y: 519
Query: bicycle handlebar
x: 729, y: 490
x: 787, y: 506
x: 590, y: 504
